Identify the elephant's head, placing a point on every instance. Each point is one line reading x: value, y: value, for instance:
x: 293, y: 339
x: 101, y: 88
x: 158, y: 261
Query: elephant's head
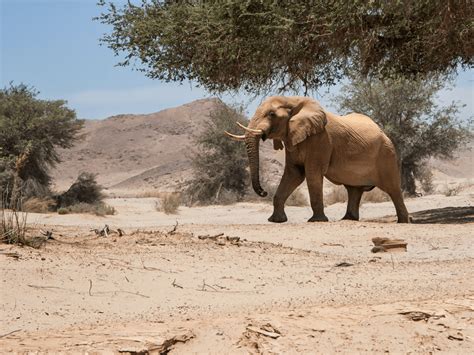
x: 284, y: 119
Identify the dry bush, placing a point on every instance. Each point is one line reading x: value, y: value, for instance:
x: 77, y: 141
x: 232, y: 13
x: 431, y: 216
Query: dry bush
x: 39, y: 205
x: 338, y: 194
x: 297, y: 198
x: 150, y: 193
x: 99, y: 209
x: 169, y: 203
x: 452, y: 190
x: 63, y: 210
x: 375, y: 196
x: 13, y: 223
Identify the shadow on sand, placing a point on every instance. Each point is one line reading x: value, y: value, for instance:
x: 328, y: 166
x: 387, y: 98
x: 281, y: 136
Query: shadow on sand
x: 446, y: 215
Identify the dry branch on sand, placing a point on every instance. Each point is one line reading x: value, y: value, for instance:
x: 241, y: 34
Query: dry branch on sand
x: 386, y: 244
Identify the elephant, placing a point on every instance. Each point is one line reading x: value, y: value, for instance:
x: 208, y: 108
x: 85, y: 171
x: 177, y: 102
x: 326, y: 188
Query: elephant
x: 351, y: 150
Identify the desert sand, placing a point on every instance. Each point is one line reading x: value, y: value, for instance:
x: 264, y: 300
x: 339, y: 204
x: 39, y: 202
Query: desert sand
x: 221, y: 279
x: 226, y: 281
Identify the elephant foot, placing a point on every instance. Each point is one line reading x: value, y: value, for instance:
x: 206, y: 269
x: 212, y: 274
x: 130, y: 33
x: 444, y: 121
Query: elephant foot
x: 278, y: 217
x: 319, y: 218
x: 349, y: 216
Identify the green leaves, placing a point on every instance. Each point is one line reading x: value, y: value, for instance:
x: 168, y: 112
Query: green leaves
x: 408, y: 112
x: 263, y: 46
x: 36, y: 128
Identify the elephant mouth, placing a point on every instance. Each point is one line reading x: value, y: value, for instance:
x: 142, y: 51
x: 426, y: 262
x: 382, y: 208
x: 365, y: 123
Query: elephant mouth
x: 264, y: 136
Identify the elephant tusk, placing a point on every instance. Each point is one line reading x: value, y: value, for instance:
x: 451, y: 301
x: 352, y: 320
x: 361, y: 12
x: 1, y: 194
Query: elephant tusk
x: 234, y: 137
x: 250, y: 130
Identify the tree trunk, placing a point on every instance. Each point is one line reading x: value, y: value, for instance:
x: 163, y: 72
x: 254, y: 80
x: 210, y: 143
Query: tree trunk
x: 408, y: 179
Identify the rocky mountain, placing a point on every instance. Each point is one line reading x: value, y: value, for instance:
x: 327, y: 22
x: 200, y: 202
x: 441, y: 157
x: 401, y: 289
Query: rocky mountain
x: 140, y: 153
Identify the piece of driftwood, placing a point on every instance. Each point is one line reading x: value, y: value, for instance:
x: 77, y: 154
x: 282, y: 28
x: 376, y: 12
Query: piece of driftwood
x: 10, y: 333
x: 266, y: 330
x: 419, y: 315
x: 210, y: 237
x: 13, y: 255
x: 158, y: 346
x: 387, y: 244
x: 343, y: 264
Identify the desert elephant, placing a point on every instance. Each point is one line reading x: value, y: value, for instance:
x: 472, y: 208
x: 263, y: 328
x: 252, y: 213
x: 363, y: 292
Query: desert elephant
x: 351, y: 150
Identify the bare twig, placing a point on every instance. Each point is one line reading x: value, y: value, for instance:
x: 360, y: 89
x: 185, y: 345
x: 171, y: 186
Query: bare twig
x: 176, y: 285
x: 90, y: 287
x: 48, y: 287
x: 174, y: 228
x: 210, y: 237
x: 150, y: 268
x: 9, y: 333
x: 204, y: 285
x: 47, y: 234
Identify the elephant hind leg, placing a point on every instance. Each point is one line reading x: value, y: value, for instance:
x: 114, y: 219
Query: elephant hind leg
x: 400, y: 207
x: 397, y: 199
x: 354, y: 195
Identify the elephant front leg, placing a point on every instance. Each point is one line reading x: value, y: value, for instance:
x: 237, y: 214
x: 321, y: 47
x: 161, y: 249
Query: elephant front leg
x: 315, y: 187
x: 292, y: 177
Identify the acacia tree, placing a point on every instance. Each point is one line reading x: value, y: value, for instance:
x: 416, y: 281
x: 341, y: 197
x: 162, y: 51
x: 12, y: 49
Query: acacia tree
x: 260, y: 46
x: 31, y: 130
x: 219, y: 165
x: 408, y: 111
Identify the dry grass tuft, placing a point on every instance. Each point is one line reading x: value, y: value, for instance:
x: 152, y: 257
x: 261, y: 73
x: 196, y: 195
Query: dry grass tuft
x: 12, y: 223
x: 39, y: 205
x: 297, y: 198
x: 150, y: 193
x: 169, y: 204
x: 99, y: 209
x: 338, y: 194
x: 375, y: 196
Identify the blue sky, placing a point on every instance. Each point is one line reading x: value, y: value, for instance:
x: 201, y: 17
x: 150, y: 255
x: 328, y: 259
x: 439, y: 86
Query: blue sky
x: 53, y: 45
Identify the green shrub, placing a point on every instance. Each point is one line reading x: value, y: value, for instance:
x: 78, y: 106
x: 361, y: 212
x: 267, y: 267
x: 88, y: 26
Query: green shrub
x: 84, y: 190
x: 219, y: 165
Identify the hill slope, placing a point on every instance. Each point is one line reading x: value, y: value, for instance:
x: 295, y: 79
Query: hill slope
x: 139, y: 153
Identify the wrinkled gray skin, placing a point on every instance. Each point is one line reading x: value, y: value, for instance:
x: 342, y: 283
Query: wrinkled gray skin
x: 350, y: 150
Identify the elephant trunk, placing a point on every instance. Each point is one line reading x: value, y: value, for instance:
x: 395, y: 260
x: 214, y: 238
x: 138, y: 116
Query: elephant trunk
x: 252, y: 144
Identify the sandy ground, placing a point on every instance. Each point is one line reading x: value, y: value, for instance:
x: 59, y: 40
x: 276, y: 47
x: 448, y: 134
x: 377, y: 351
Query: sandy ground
x: 257, y: 287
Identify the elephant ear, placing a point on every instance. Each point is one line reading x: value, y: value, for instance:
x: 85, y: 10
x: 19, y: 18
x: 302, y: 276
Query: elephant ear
x: 277, y: 144
x: 308, y: 118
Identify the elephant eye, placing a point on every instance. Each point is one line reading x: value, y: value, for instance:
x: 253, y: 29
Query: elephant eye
x: 272, y: 114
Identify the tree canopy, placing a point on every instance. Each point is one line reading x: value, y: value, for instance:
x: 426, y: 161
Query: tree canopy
x: 262, y: 45
x: 31, y: 130
x: 410, y: 114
